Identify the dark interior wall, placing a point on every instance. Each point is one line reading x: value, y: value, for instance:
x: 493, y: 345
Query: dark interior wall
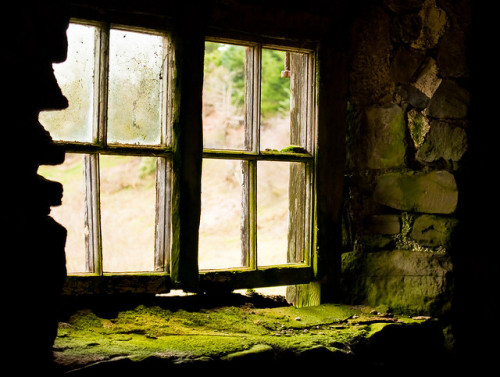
x: 32, y: 242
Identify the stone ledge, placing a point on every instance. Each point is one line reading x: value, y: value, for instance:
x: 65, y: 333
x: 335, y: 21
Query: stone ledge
x: 154, y: 338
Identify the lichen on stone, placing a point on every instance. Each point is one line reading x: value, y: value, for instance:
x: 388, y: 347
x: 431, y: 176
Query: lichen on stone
x: 418, y: 125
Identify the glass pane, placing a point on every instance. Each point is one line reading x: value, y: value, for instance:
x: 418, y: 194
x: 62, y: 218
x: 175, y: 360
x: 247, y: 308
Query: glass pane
x: 135, y: 86
x: 71, y: 214
x: 221, y: 211
x: 280, y: 212
x: 283, y: 99
x: 128, y: 194
x: 224, y: 96
x: 76, y: 78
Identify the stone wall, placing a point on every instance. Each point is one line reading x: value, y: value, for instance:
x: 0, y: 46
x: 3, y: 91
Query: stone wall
x: 407, y: 141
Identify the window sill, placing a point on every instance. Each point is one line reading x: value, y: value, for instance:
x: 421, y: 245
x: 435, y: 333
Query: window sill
x: 186, y: 332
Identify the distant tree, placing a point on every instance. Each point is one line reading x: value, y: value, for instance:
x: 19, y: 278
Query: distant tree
x: 275, y: 91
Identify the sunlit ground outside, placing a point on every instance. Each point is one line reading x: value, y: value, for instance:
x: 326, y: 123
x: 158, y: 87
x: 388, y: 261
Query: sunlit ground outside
x: 71, y: 214
x: 220, y: 236
x: 127, y: 213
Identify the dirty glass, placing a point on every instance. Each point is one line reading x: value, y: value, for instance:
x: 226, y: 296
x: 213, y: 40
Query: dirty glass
x: 135, y: 88
x: 71, y: 213
x: 224, y: 96
x: 280, y: 210
x: 127, y: 194
x: 75, y: 77
x: 283, y: 99
x: 221, y: 211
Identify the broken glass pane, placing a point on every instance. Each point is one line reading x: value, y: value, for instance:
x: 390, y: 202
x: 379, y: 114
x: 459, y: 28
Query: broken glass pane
x: 135, y: 88
x: 76, y: 79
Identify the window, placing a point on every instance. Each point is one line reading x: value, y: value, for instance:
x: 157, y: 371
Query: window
x: 254, y: 223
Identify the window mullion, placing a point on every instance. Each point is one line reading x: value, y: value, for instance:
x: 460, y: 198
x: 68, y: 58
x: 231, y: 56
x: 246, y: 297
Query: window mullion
x: 92, y: 214
x: 91, y: 161
x: 252, y: 179
x: 187, y: 146
x: 102, y: 70
x: 162, y: 237
x: 249, y: 168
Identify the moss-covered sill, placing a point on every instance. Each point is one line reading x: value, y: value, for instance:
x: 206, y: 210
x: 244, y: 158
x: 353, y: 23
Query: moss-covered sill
x: 158, y: 337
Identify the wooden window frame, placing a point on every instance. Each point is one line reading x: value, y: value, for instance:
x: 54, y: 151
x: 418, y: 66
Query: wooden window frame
x: 179, y: 175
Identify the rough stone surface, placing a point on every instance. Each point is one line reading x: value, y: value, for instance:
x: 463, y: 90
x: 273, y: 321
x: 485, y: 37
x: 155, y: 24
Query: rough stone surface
x: 450, y: 101
x: 256, y: 351
x: 451, y: 56
x: 381, y: 140
x: 413, y: 96
x: 434, y: 21
x: 384, y: 224
x: 373, y: 48
x: 434, y: 192
x: 418, y: 125
x: 149, y: 339
x: 406, y: 281
x: 427, y: 79
x: 406, y: 28
x: 444, y: 141
x: 433, y: 230
x: 399, y: 6
x: 405, y: 63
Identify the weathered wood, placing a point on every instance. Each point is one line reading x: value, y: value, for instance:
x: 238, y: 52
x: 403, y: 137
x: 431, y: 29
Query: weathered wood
x: 117, y: 149
x: 268, y: 155
x: 187, y: 146
x: 93, y: 245
x: 162, y: 214
x: 78, y: 285
x: 248, y: 218
x: 332, y: 105
x: 302, y: 132
x: 100, y: 123
x: 248, y: 278
x: 303, y: 295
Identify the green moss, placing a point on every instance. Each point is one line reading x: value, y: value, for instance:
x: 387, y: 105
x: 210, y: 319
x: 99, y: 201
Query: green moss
x: 294, y: 149
x: 152, y: 330
x: 419, y: 127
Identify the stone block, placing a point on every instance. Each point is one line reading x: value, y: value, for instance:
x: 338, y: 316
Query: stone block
x: 408, y: 282
x: 451, y: 56
x: 444, y: 141
x: 434, y: 22
x: 413, y: 96
x: 405, y: 63
x: 433, y: 231
x: 381, y: 142
x: 399, y: 6
x: 370, y: 79
x: 450, y: 101
x: 427, y: 79
x: 384, y: 224
x: 434, y: 192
